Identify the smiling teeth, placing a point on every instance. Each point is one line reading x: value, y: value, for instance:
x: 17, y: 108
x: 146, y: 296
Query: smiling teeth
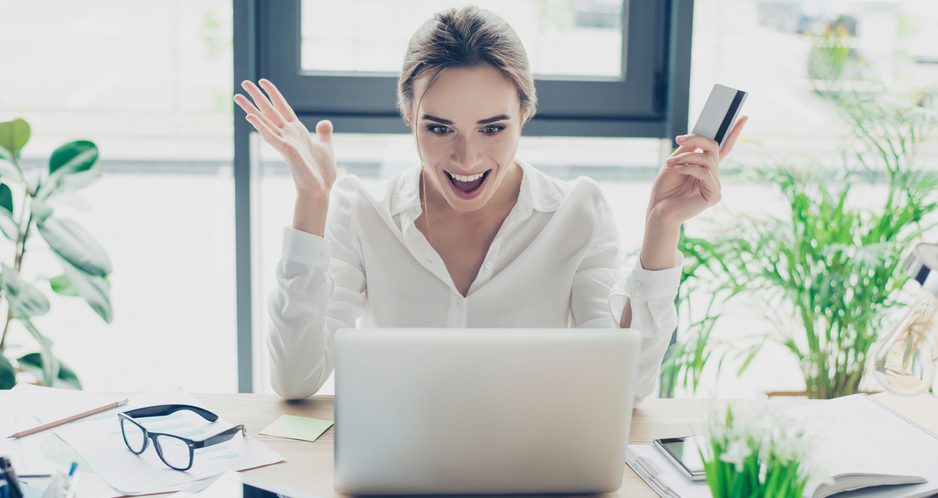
x: 463, y: 178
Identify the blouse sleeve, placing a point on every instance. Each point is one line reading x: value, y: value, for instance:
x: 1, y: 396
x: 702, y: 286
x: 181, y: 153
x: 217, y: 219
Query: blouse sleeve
x: 320, y: 288
x: 600, y: 291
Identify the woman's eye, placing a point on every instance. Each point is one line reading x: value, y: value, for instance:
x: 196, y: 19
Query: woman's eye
x: 492, y: 129
x: 438, y: 129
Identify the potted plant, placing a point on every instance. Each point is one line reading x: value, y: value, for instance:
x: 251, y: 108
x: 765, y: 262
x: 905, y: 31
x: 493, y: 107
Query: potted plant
x: 827, y: 272
x: 758, y: 456
x: 27, y: 207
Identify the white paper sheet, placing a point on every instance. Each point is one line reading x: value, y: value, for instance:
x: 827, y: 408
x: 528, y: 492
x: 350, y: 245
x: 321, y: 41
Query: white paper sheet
x: 661, y: 475
x: 109, y: 468
x: 98, y: 439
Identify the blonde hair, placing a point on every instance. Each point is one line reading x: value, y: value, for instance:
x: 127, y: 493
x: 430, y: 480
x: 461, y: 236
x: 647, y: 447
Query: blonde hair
x: 465, y: 37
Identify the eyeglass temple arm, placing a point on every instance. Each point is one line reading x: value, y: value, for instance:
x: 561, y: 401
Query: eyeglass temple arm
x: 221, y: 437
x: 161, y: 410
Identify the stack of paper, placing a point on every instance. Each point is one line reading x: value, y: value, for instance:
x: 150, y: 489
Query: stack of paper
x: 109, y: 468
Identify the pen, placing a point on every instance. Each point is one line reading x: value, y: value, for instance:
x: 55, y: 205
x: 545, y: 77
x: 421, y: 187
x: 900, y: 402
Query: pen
x: 72, y: 481
x: 9, y: 475
x: 61, y: 421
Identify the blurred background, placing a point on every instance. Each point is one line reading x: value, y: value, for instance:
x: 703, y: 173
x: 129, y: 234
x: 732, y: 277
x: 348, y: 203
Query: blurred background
x: 150, y: 82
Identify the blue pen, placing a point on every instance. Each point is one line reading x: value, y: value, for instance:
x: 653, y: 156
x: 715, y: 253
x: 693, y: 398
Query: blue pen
x: 71, y: 470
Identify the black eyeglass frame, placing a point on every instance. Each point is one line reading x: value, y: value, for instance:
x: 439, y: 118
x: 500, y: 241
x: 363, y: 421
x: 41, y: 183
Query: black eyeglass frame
x: 163, y: 410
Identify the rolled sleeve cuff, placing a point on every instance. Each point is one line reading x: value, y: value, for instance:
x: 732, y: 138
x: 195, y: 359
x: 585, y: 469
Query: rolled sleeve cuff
x: 306, y: 248
x: 656, y: 284
x: 650, y: 284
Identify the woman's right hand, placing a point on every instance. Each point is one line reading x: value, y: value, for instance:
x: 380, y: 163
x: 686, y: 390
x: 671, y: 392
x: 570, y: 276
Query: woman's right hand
x: 311, y: 160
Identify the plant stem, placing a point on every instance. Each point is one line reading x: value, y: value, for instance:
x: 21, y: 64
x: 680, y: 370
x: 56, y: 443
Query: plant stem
x: 23, y: 234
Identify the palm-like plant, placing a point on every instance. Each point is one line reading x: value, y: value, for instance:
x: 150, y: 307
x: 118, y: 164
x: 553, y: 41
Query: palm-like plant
x: 832, y: 262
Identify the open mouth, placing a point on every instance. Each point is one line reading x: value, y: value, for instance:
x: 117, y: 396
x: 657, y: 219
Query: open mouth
x: 467, y: 185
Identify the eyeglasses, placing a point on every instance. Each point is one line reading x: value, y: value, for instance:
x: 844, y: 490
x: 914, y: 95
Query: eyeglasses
x: 175, y: 451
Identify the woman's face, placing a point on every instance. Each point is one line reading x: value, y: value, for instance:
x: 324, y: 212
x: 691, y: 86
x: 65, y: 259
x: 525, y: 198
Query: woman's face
x: 467, y: 128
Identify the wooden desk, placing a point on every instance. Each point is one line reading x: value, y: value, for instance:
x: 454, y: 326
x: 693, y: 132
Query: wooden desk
x: 308, y: 466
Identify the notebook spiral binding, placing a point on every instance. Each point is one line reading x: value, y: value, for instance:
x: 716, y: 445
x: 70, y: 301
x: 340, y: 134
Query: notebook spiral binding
x: 902, y: 417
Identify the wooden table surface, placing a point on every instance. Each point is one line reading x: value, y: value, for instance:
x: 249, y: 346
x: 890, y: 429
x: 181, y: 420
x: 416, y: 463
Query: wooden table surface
x: 308, y: 465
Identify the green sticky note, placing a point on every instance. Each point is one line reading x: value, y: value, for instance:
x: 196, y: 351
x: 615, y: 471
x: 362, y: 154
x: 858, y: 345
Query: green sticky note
x: 293, y: 427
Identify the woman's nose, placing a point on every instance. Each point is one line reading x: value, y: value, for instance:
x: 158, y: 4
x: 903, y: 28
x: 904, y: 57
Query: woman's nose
x: 464, y: 153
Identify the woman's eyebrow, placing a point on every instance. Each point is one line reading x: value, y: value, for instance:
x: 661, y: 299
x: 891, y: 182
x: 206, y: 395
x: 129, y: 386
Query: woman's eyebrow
x: 500, y: 117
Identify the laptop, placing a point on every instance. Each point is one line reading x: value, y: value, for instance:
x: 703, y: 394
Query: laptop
x: 482, y: 411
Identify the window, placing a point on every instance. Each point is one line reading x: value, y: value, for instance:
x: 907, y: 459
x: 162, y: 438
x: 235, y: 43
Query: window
x: 149, y: 83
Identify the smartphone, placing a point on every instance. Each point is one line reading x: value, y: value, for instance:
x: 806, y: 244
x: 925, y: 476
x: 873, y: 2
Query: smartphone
x: 237, y: 485
x: 684, y: 453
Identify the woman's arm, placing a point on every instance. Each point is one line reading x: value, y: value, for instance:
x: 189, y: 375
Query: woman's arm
x: 658, y: 249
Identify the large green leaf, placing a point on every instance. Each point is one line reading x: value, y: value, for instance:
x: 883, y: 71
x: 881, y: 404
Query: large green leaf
x: 7, y: 373
x: 66, y: 378
x: 14, y: 135
x: 74, y: 244
x: 6, y: 197
x: 94, y: 290
x: 73, y: 157
x: 25, y: 300
x: 50, y: 366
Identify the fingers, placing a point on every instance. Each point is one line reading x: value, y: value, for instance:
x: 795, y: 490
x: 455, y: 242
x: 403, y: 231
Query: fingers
x: 734, y: 134
x: 324, y: 130
x: 249, y: 108
x: 702, y: 160
x: 709, y: 186
x: 267, y: 133
x: 279, y: 102
x: 264, y: 105
x: 693, y: 142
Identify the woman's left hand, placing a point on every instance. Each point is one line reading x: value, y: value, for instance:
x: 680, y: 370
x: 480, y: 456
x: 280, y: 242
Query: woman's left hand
x: 690, y: 179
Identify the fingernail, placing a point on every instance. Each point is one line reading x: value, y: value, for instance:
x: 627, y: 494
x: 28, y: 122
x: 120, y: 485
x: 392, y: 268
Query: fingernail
x: 681, y: 138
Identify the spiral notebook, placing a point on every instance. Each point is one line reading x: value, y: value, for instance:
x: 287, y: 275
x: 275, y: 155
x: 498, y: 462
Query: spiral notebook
x: 870, y: 450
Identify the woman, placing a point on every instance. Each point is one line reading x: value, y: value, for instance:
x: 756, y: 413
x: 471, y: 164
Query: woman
x: 473, y: 237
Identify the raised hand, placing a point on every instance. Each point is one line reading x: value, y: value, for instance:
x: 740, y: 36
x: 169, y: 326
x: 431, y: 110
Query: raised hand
x: 690, y: 180
x: 311, y: 160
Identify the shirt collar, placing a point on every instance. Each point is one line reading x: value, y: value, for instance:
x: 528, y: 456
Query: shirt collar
x: 538, y: 192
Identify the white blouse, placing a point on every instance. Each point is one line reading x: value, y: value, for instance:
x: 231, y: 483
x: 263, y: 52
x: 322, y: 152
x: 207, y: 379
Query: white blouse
x: 555, y: 262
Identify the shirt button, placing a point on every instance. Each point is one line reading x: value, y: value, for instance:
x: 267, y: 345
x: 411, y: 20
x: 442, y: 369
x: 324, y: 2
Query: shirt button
x: 488, y: 266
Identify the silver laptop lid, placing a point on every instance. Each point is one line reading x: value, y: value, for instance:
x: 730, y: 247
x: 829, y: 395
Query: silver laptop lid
x: 482, y: 410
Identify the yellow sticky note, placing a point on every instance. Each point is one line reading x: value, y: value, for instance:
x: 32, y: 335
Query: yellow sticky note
x: 293, y: 427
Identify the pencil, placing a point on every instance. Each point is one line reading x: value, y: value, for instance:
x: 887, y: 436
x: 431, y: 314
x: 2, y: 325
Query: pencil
x: 61, y: 421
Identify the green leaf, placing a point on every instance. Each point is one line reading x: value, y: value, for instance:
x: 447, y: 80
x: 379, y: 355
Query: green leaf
x: 6, y: 197
x: 77, y: 181
x: 8, y: 226
x: 14, y: 135
x: 66, y: 378
x: 50, y: 366
x: 8, y: 170
x: 25, y: 300
x: 73, y: 243
x: 7, y: 373
x: 94, y: 290
x: 73, y: 157
x: 61, y: 285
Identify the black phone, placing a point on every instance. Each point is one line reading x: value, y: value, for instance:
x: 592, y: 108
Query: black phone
x: 684, y: 453
x: 237, y: 485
